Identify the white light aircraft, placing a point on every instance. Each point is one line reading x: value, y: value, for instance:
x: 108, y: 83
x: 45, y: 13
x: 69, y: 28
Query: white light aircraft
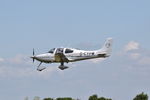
x: 66, y: 55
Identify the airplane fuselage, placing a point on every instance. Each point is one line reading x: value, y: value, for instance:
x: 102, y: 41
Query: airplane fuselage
x: 66, y: 55
x: 76, y: 55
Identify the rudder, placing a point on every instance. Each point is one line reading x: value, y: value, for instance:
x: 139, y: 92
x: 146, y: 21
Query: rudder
x: 107, y: 47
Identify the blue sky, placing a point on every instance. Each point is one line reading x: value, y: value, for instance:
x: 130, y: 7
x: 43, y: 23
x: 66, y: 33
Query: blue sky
x: 84, y: 24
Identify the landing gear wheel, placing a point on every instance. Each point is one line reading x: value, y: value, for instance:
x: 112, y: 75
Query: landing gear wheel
x: 41, y: 69
x: 63, y: 67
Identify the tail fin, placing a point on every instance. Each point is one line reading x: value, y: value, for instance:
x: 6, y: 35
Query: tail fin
x: 107, y: 47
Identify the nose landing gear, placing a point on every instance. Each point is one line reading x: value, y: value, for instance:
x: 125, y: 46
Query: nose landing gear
x: 40, y: 68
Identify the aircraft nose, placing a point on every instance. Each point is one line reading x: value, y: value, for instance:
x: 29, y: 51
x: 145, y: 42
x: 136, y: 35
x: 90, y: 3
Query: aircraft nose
x: 40, y: 57
x: 33, y: 57
x: 37, y: 57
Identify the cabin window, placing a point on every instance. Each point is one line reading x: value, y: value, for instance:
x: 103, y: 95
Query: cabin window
x: 52, y: 50
x: 69, y: 51
x: 59, y: 50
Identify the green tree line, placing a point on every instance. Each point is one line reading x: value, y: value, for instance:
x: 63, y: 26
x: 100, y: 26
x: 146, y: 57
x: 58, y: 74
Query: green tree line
x: 141, y: 96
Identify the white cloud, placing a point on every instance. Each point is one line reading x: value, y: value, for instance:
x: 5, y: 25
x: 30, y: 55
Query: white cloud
x: 47, y: 72
x: 135, y: 55
x: 144, y: 61
x: 1, y: 60
x: 18, y: 59
x: 16, y: 72
x: 97, y: 60
x: 132, y: 45
x: 21, y: 66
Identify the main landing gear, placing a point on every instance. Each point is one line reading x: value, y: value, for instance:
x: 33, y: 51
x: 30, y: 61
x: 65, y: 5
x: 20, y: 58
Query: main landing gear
x: 62, y: 67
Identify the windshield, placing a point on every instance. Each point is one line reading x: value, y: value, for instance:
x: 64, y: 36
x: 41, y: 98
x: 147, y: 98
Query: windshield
x: 52, y: 50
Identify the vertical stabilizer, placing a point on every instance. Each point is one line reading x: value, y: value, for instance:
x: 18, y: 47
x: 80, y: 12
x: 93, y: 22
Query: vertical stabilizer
x: 107, y: 47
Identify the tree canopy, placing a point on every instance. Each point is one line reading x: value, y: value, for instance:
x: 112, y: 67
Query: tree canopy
x: 48, y: 99
x: 141, y: 96
x: 95, y: 97
x: 67, y: 98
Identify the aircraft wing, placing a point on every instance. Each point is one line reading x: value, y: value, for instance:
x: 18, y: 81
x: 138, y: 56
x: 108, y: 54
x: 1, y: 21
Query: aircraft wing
x: 60, y: 57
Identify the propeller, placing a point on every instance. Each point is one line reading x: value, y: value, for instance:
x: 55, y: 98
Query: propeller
x: 33, y: 57
x: 33, y: 51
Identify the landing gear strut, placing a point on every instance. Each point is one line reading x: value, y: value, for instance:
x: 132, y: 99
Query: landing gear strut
x: 62, y: 67
x: 40, y: 69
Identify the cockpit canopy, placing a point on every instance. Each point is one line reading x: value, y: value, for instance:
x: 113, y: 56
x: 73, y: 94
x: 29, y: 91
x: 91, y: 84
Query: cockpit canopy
x: 52, y: 50
x: 67, y: 50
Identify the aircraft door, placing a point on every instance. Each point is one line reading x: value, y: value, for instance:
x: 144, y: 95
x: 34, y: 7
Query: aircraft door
x: 60, y: 50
